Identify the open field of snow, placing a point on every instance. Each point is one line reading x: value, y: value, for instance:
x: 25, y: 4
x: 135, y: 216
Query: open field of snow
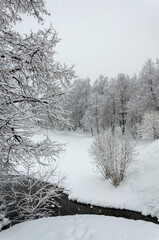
x: 139, y: 191
x: 82, y: 227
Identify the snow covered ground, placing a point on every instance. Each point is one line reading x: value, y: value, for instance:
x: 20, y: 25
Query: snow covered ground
x: 82, y: 227
x: 139, y: 191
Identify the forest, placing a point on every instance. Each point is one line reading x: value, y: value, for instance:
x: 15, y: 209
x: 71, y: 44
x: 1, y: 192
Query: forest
x: 128, y: 103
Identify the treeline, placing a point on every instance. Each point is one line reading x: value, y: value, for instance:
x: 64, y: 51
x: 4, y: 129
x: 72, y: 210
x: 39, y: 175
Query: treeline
x: 117, y: 102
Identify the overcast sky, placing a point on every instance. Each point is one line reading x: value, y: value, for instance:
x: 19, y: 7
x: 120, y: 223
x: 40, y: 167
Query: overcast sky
x: 103, y: 36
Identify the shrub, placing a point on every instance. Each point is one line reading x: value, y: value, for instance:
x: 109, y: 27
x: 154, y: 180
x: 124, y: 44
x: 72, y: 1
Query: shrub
x: 112, y: 154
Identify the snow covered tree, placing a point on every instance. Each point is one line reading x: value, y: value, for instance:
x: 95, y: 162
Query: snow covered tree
x: 110, y: 107
x: 150, y: 86
x: 99, y: 85
x: 116, y: 99
x: 112, y: 154
x: 32, y: 88
x: 78, y: 102
x: 92, y: 116
x: 134, y: 106
x: 149, y: 126
x: 143, y: 96
x: 92, y: 119
x: 122, y: 95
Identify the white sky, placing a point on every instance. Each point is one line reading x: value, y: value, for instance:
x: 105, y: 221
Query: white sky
x: 103, y: 36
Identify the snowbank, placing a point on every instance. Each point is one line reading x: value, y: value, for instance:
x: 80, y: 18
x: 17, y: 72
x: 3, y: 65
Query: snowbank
x: 82, y: 227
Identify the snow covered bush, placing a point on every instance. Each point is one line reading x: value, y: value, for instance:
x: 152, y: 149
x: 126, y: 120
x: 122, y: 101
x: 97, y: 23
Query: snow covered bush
x: 149, y: 126
x: 112, y: 154
x: 29, y: 198
x: 33, y: 191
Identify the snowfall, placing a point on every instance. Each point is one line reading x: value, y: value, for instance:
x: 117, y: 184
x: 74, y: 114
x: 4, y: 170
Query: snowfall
x: 139, y: 192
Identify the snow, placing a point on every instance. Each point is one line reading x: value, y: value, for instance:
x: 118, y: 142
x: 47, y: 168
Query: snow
x: 3, y: 222
x: 139, y: 191
x: 82, y: 227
